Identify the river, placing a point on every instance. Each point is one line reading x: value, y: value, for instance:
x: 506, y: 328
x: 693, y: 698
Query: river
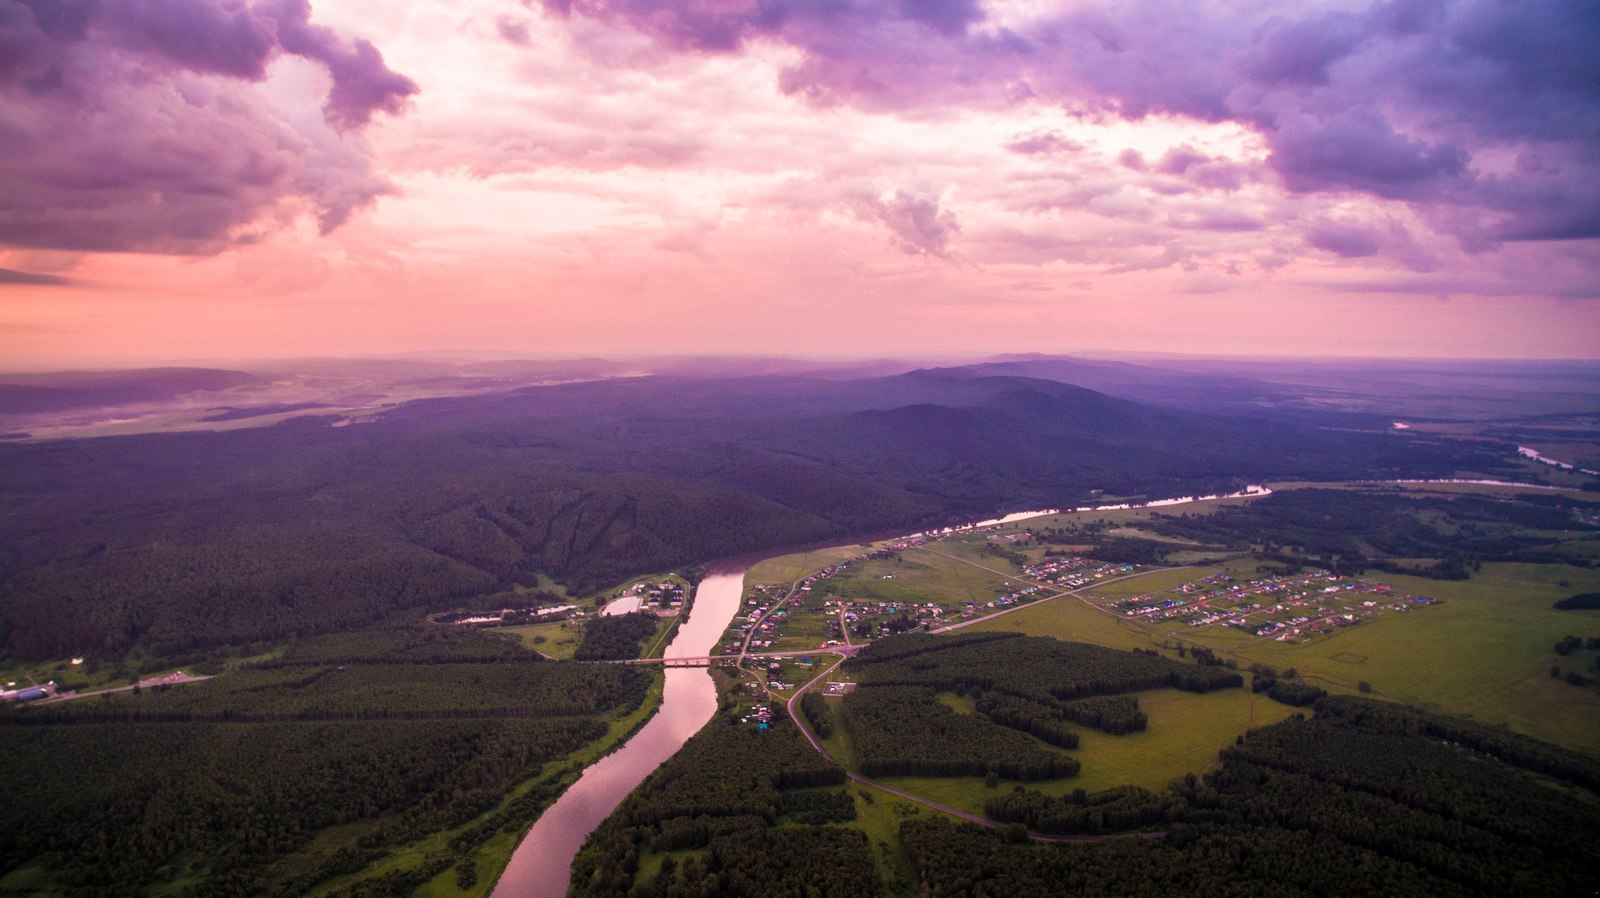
x: 542, y: 863
x: 1525, y: 452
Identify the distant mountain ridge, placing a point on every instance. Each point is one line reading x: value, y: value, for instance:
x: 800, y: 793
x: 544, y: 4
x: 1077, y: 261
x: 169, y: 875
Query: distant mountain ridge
x: 179, y: 542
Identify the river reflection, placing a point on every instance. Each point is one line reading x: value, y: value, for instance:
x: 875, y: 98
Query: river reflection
x: 542, y: 863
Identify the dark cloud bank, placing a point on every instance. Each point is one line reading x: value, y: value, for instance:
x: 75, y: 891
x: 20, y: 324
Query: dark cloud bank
x: 1484, y: 114
x: 138, y: 125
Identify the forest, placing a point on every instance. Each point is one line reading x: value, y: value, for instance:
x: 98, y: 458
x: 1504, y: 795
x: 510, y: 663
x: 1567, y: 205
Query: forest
x: 1353, y: 530
x: 1359, y: 797
x: 234, y: 786
x: 1043, y: 670
x: 745, y: 812
x: 1363, y: 798
x: 902, y: 731
x: 298, y: 561
x: 180, y: 544
x: 615, y: 637
x: 1355, y: 796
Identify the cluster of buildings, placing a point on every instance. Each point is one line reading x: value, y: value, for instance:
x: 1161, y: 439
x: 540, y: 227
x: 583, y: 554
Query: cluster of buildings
x: 760, y: 715
x: 775, y: 680
x: 664, y: 597
x: 666, y: 594
x: 1075, y: 571
x: 506, y: 616
x: 872, y: 619
x: 32, y: 693
x: 1283, y: 608
x: 825, y: 573
x: 763, y: 635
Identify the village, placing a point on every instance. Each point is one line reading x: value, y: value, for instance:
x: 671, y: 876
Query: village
x: 827, y: 609
x: 1075, y: 571
x: 663, y: 597
x: 1291, y: 608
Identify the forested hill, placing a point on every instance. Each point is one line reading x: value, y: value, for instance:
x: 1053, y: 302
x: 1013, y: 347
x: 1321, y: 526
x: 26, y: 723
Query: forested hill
x: 181, y: 541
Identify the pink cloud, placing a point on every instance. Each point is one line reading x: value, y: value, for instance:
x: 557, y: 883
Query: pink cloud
x: 916, y: 224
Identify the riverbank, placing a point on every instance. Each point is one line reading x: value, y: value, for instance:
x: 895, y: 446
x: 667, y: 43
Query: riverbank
x: 540, y: 865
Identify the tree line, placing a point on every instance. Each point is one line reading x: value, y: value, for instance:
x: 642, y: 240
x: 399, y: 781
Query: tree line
x: 1037, y: 667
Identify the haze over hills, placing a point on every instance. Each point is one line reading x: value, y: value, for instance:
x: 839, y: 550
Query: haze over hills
x: 178, y: 541
x: 1360, y: 394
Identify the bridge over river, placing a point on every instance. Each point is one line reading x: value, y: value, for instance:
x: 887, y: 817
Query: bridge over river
x: 843, y: 651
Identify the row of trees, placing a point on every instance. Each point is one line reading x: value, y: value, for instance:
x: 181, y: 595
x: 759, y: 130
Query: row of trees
x: 369, y: 691
x: 1038, y: 720
x: 1035, y: 667
x: 817, y: 714
x: 1078, y: 812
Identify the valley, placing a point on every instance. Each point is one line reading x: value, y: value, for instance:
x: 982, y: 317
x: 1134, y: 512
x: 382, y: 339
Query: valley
x: 482, y: 591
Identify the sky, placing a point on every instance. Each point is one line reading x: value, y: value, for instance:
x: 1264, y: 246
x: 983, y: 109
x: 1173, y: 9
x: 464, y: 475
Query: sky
x: 223, y: 180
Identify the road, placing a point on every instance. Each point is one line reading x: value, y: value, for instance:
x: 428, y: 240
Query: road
x: 1075, y: 593
x: 698, y: 660
x: 171, y: 679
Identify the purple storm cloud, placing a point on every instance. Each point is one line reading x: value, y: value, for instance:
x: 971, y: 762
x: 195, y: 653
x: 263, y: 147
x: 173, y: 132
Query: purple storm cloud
x: 1417, y: 101
x: 135, y: 125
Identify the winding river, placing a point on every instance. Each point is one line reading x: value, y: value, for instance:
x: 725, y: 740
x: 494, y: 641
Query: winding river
x: 542, y: 863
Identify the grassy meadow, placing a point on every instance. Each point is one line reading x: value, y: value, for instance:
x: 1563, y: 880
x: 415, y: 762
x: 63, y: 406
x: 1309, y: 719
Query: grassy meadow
x: 786, y: 569
x: 1484, y: 653
x: 556, y: 639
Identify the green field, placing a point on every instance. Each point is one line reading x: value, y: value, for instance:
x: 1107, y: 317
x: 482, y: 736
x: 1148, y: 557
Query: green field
x: 786, y: 569
x: 879, y: 815
x: 1485, y: 653
x: 947, y: 573
x: 805, y: 628
x: 1076, y: 619
x: 1155, y: 581
x: 557, y: 639
x: 1186, y: 731
x: 1185, y: 734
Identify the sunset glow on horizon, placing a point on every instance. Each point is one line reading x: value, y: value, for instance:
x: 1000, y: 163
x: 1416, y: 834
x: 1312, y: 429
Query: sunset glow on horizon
x: 221, y: 179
